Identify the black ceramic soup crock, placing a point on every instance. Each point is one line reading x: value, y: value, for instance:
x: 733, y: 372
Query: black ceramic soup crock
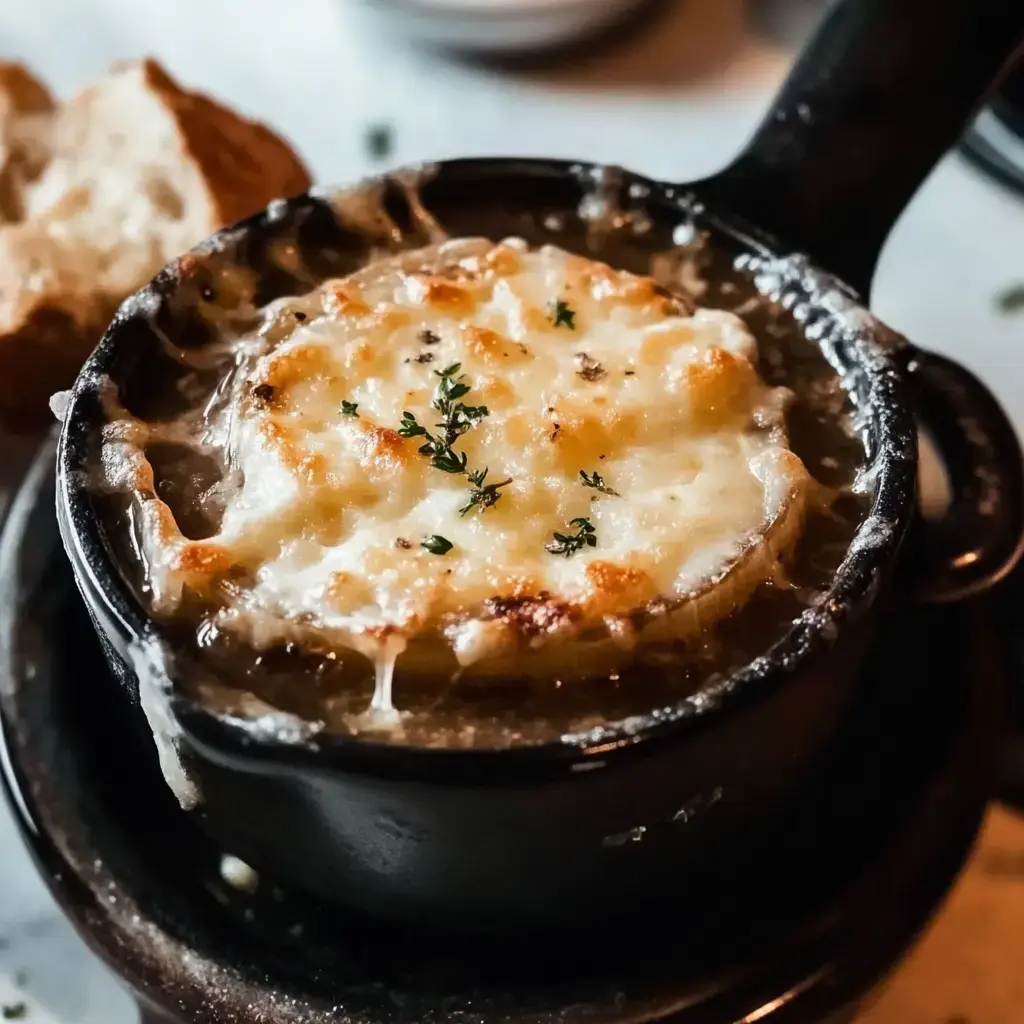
x: 668, y: 808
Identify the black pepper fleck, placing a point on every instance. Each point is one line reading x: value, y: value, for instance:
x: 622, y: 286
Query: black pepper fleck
x: 589, y: 368
x: 425, y: 357
x: 263, y: 393
x: 428, y: 337
x: 631, y: 373
x: 402, y: 543
x: 300, y: 316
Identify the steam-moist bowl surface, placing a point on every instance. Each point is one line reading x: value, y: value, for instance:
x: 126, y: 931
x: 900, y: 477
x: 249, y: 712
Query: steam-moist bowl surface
x: 306, y: 241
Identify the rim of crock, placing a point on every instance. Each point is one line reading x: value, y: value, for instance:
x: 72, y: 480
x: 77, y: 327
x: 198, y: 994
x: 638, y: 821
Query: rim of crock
x: 832, y: 316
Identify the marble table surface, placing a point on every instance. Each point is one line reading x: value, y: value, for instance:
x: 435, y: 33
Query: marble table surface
x: 676, y: 100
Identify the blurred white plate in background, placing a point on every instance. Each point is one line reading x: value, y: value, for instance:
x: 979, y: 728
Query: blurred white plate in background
x: 498, y: 26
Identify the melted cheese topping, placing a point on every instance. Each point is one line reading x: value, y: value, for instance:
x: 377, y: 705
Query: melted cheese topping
x: 581, y: 368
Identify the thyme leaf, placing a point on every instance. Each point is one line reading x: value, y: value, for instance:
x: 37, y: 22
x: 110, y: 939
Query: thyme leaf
x: 483, y: 495
x: 596, y: 481
x: 563, y: 315
x: 443, y: 456
x: 409, y: 427
x: 568, y: 544
x: 436, y: 544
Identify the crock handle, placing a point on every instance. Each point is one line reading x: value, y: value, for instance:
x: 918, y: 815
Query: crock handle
x: 981, y: 536
x: 882, y: 90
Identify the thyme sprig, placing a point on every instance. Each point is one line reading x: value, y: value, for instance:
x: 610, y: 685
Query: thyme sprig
x: 456, y: 419
x: 442, y: 455
x: 568, y: 544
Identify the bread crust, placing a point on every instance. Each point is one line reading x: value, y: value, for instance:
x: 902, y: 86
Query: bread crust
x: 53, y: 305
x: 25, y: 93
x: 25, y: 104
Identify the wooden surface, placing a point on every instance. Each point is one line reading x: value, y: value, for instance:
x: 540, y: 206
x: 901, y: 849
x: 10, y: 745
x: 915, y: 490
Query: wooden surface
x: 969, y: 966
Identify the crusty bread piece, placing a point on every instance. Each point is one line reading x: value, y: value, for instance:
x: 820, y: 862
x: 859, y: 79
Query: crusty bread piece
x: 140, y: 171
x: 25, y: 110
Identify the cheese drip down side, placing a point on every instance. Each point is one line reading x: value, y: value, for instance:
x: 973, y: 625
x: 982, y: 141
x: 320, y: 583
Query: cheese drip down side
x: 607, y: 411
x: 382, y: 715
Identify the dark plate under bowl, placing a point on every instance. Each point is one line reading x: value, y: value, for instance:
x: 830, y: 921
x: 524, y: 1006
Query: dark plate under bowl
x: 884, y: 832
